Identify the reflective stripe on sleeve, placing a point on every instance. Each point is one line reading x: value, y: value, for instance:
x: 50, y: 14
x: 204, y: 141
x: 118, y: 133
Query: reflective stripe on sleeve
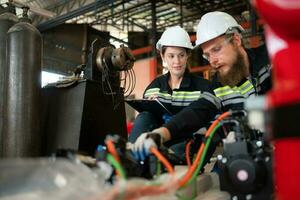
x: 178, y: 98
x: 212, y: 99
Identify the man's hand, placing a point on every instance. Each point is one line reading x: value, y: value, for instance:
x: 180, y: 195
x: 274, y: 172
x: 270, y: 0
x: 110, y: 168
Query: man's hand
x: 141, y: 147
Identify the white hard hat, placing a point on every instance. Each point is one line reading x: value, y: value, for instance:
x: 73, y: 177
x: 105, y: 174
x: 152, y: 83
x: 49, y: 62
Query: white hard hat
x: 174, y: 36
x: 214, y: 24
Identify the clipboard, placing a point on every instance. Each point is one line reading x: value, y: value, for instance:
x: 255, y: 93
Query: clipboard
x: 151, y: 105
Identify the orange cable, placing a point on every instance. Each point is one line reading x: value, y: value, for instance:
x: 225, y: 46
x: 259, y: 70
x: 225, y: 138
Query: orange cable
x: 191, y: 170
x: 154, y: 190
x: 187, y: 153
x: 131, y: 193
x: 112, y: 150
x: 162, y: 159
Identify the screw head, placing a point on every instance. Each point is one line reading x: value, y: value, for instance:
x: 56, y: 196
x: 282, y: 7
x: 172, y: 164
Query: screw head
x: 259, y: 143
x: 219, y: 157
x: 224, y: 160
x: 248, y: 196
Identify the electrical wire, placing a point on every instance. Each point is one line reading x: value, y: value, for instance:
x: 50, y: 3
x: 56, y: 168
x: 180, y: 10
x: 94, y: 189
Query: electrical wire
x: 125, y: 85
x: 105, y: 79
x: 158, y: 168
x: 135, y: 191
x: 162, y: 159
x: 128, y: 87
x: 200, y: 164
x: 128, y: 82
x: 131, y: 192
x: 133, y: 80
x: 151, y: 190
x: 119, y: 169
x: 116, y: 95
x: 187, y: 153
x: 191, y: 170
x: 112, y: 150
x: 123, y: 80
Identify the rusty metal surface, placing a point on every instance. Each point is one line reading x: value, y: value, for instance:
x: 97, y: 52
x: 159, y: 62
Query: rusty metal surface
x: 122, y: 58
x: 79, y: 117
x: 21, y: 128
x: 7, y: 20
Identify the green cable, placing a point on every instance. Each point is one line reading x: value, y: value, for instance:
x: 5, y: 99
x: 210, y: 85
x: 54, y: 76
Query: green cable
x: 182, y: 197
x: 116, y: 165
x: 158, y: 168
x: 204, y: 153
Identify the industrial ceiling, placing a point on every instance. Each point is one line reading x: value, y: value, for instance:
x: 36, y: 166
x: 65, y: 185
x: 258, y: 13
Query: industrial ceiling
x: 126, y: 15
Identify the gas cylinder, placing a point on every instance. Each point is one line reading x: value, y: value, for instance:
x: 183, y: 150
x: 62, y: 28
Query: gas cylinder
x: 7, y: 20
x: 22, y: 112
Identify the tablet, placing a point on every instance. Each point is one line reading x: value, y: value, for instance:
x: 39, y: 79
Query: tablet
x: 151, y: 105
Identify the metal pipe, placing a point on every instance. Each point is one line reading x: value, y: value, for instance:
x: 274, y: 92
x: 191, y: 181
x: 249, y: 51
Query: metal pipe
x: 39, y: 11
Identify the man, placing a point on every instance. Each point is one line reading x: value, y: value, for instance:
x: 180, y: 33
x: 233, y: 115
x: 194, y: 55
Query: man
x: 241, y: 73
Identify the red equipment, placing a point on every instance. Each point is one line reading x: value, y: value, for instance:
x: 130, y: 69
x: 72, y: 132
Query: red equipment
x: 283, y: 40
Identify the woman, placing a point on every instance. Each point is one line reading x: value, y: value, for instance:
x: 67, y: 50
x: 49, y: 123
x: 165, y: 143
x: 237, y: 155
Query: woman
x: 177, y: 88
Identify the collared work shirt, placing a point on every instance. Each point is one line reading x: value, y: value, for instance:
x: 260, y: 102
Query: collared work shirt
x: 222, y: 98
x: 190, y: 89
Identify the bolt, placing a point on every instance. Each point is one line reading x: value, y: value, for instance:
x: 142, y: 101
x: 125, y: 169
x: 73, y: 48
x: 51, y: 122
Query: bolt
x: 234, y: 198
x: 259, y: 143
x: 224, y: 160
x: 219, y: 157
x: 248, y: 196
x: 267, y: 159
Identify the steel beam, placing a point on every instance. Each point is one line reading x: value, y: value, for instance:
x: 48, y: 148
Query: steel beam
x: 63, y: 18
x: 154, y: 30
x: 117, y: 39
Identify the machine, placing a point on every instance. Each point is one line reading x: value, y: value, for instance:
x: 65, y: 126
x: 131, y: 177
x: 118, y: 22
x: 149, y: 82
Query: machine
x: 79, y: 111
x: 246, y: 165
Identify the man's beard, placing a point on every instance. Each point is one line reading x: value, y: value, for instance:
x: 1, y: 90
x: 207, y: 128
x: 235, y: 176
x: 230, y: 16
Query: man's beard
x: 236, y: 73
